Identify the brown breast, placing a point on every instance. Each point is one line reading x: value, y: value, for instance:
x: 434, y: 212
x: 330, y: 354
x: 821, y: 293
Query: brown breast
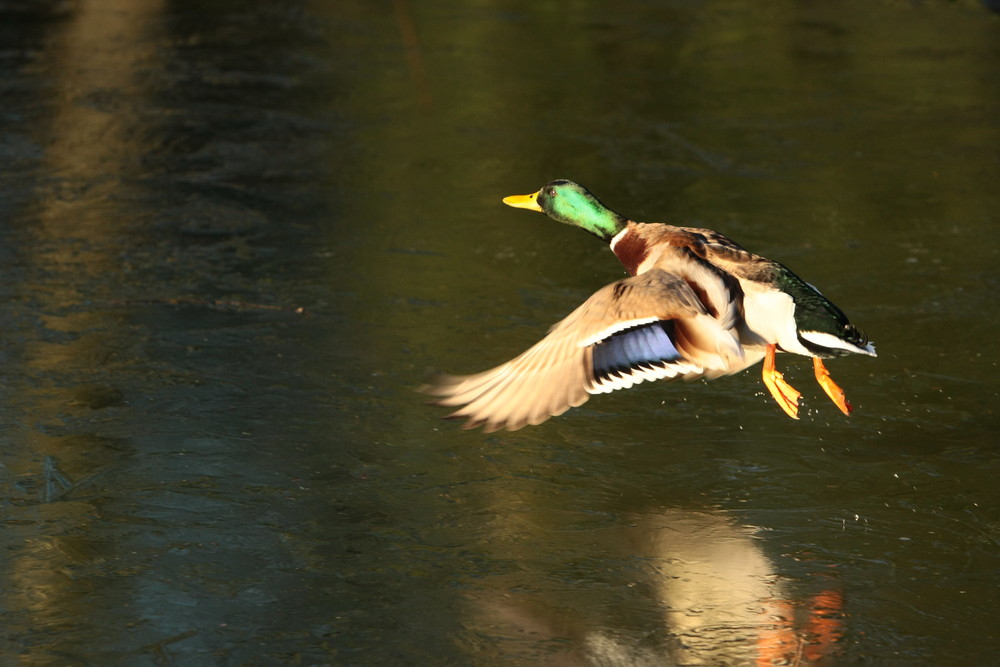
x: 631, y: 249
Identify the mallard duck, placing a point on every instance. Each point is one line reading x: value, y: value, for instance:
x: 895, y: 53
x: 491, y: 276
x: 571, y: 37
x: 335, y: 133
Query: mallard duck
x: 695, y: 305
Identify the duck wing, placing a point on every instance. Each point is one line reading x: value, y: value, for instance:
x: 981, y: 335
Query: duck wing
x: 647, y: 327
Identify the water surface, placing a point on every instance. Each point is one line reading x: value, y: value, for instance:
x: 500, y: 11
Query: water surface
x: 236, y: 236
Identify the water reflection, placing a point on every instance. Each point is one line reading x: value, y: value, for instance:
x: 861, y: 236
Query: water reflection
x: 719, y: 598
x: 96, y: 58
x: 114, y: 370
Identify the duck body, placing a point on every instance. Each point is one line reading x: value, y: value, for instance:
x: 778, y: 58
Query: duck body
x: 695, y: 305
x: 778, y: 306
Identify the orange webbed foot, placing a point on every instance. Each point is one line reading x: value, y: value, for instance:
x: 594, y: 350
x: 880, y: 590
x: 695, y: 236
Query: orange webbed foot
x: 831, y: 388
x: 785, y: 394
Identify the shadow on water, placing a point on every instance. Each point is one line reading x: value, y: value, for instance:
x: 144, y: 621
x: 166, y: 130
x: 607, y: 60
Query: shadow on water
x: 235, y: 236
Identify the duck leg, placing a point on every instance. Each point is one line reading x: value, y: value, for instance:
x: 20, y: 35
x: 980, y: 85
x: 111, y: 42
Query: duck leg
x: 785, y: 394
x: 831, y: 388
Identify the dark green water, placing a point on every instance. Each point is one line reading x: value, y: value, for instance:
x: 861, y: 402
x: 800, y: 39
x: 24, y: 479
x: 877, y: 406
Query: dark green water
x: 234, y: 237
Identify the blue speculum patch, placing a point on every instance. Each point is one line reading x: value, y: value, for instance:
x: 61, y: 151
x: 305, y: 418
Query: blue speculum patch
x: 645, y: 345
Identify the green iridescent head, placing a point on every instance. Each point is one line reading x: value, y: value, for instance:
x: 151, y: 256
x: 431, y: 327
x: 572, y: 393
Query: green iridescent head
x: 572, y: 204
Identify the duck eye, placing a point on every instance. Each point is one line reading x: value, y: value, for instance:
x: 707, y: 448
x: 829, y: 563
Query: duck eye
x: 552, y: 192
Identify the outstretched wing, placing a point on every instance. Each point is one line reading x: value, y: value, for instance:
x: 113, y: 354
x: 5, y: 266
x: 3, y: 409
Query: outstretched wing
x: 647, y: 327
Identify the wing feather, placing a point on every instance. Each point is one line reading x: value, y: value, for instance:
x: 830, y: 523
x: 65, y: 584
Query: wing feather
x: 559, y: 372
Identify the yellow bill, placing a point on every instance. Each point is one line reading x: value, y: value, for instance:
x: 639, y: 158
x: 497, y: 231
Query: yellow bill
x: 524, y: 201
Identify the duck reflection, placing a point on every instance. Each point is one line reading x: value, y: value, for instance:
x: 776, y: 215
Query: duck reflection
x: 720, y: 600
